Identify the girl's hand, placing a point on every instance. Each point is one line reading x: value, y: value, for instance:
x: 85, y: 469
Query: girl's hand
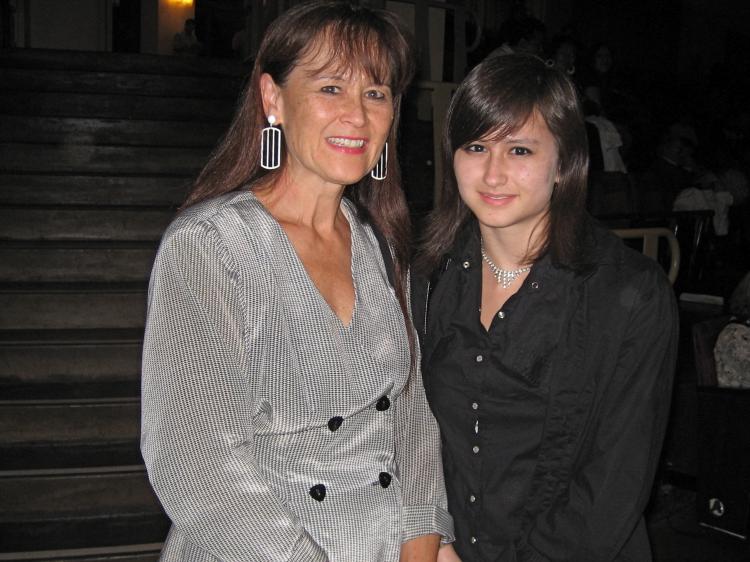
x: 447, y: 554
x: 420, y: 549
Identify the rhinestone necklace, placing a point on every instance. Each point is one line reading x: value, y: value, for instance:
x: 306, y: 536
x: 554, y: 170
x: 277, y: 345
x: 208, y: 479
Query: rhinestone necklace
x: 504, y: 277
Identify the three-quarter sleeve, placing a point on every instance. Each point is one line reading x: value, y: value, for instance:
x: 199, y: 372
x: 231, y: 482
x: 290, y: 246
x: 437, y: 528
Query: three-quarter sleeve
x: 420, y: 464
x: 197, y: 434
x: 610, y: 487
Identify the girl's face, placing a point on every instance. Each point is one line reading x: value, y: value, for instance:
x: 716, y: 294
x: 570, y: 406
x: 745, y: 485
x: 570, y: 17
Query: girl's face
x: 508, y: 183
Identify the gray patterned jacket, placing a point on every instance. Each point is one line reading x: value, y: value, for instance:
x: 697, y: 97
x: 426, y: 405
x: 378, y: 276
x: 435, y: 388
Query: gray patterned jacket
x: 270, y: 430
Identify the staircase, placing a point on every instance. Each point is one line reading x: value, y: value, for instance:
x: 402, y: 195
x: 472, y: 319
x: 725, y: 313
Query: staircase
x: 96, y: 151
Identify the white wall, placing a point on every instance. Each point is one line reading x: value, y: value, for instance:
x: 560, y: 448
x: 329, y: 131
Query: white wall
x: 172, y: 16
x: 435, y: 30
x: 149, y: 26
x: 86, y: 25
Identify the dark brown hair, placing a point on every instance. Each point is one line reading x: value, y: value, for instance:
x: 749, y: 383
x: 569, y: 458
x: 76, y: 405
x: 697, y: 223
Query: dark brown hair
x: 495, y: 100
x: 358, y: 39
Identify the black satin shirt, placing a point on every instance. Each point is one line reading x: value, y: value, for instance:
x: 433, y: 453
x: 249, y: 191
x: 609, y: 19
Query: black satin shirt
x: 540, y: 442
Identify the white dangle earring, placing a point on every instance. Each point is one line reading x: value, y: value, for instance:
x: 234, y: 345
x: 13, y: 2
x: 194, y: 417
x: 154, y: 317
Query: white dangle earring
x: 380, y: 171
x: 270, y: 146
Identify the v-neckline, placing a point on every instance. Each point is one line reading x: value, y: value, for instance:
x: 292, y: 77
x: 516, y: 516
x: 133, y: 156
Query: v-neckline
x: 305, y: 274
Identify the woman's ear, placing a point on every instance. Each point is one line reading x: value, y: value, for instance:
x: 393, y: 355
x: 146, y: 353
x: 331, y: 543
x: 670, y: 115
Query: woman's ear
x: 270, y: 93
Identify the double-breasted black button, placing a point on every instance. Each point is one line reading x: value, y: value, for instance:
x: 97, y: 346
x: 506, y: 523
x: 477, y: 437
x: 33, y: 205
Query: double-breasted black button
x: 385, y: 479
x: 335, y: 422
x: 318, y: 492
x: 383, y: 404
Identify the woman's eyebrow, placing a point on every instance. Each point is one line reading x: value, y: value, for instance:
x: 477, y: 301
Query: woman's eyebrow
x: 323, y: 75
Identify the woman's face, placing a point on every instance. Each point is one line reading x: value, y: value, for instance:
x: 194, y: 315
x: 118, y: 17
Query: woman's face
x: 335, y: 123
x: 508, y: 183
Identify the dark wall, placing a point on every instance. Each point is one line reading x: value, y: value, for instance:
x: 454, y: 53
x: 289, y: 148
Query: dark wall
x: 663, y: 39
x: 643, y: 34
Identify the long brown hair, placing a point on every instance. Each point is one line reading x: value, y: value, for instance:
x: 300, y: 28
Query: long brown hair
x: 495, y: 100
x: 358, y: 38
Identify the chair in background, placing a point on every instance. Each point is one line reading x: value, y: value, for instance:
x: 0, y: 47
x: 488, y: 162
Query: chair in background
x: 694, y: 231
x: 650, y: 246
x: 723, y: 479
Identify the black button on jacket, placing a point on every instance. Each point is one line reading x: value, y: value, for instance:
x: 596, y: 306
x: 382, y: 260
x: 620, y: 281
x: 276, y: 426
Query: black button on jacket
x: 552, y: 421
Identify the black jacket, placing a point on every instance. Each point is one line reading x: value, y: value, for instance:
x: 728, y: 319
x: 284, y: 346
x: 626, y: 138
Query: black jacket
x: 552, y: 422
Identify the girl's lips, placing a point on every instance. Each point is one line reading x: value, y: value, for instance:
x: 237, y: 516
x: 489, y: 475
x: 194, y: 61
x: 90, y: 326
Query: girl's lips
x: 497, y: 199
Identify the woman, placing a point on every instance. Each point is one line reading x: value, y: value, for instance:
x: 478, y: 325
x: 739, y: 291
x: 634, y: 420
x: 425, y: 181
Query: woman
x: 283, y: 416
x: 548, y: 346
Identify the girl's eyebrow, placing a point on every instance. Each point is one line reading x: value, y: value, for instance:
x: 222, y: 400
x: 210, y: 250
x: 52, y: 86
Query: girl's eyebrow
x: 520, y: 140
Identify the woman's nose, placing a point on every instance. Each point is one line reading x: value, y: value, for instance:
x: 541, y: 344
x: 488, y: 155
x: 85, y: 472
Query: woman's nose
x: 354, y: 111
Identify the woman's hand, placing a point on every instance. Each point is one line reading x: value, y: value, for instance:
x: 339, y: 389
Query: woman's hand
x: 447, y: 554
x: 420, y: 549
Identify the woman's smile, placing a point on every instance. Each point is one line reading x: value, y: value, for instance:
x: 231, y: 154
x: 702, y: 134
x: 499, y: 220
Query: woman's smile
x: 349, y: 145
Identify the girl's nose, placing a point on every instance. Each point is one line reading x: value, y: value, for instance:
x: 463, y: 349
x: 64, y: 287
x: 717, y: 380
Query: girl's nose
x: 495, y: 173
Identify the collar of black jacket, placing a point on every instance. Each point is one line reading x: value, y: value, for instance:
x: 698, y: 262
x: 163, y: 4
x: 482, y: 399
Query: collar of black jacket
x: 466, y: 251
x: 595, y: 249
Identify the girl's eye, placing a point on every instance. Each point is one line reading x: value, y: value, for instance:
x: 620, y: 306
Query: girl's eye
x: 475, y: 148
x: 520, y: 151
x: 330, y: 89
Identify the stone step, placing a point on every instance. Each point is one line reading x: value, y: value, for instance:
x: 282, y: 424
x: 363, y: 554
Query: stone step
x: 48, y: 364
x: 128, y: 553
x: 70, y: 364
x: 119, y: 82
x: 60, y: 434
x: 61, y: 306
x: 92, y: 159
x: 79, y: 510
x: 53, y: 59
x: 83, y: 223
x: 53, y: 189
x: 108, y: 132
x: 70, y: 389
x: 100, y: 262
x: 115, y: 106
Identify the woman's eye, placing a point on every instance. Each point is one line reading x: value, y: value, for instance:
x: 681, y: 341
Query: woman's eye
x: 375, y: 94
x: 520, y: 151
x: 330, y: 89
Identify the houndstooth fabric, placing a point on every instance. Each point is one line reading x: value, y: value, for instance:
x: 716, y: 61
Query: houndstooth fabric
x: 245, y: 364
